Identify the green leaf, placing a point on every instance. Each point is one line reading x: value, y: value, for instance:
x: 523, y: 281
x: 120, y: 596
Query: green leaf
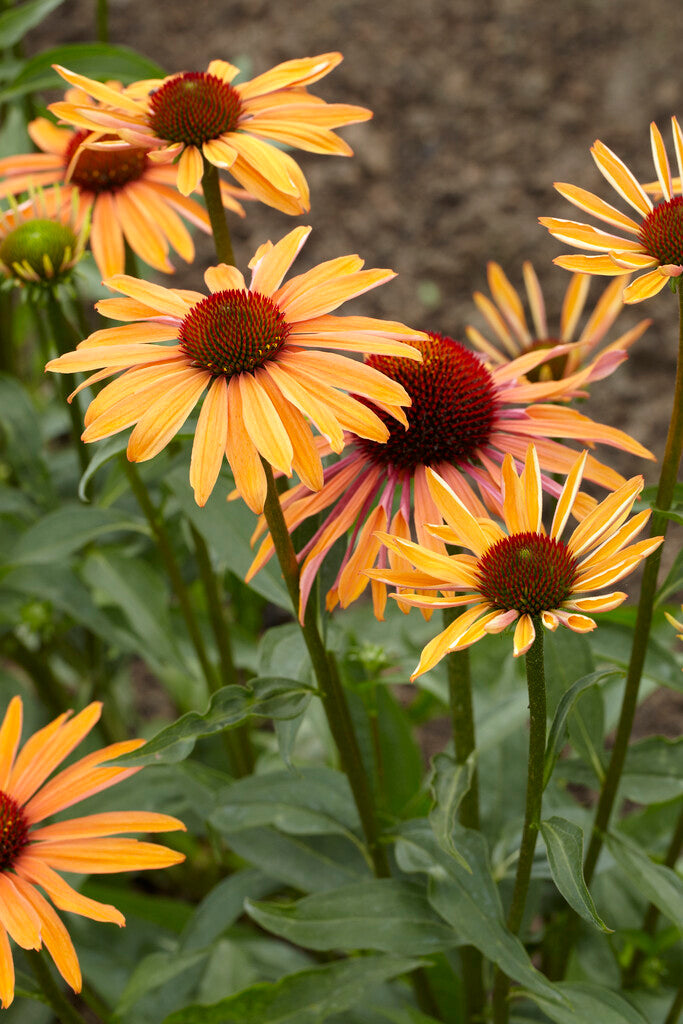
x: 227, y: 528
x: 61, y: 533
x: 659, y: 884
x: 653, y: 771
x: 564, y: 846
x: 95, y: 60
x: 556, y: 735
x: 16, y: 22
x: 401, y: 759
x: 469, y: 901
x: 308, y: 863
x: 231, y: 705
x: 222, y: 906
x: 587, y: 1002
x: 449, y: 783
x: 151, y: 973
x: 103, y: 454
x: 23, y: 442
x: 383, y: 914
x: 307, y: 997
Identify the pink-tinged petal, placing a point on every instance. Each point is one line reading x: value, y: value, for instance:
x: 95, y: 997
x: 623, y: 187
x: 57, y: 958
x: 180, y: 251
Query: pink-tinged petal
x: 243, y: 455
x: 619, y: 176
x: 224, y: 278
x: 210, y: 439
x: 577, y: 623
x: 568, y: 496
x: 28, y: 775
x: 54, y: 934
x: 633, y: 260
x: 17, y: 915
x: 525, y: 634
x: 508, y: 301
x: 495, y: 320
x: 585, y: 236
x: 645, y: 287
x: 31, y: 867
x: 164, y: 418
x: 190, y: 170
x: 270, y: 269
x: 550, y: 621
x: 661, y: 161
x: 352, y: 581
x: 501, y: 621
x: 6, y: 971
x: 10, y: 734
x: 589, y: 203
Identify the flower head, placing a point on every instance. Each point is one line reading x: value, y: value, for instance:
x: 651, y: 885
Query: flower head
x: 32, y: 854
x: 199, y: 115
x: 520, y: 575
x: 131, y: 199
x: 654, y: 241
x: 504, y: 314
x: 42, y: 239
x: 260, y: 353
x: 464, y: 418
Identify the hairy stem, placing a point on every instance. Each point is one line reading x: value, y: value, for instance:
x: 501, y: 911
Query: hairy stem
x: 532, y: 816
x: 211, y: 186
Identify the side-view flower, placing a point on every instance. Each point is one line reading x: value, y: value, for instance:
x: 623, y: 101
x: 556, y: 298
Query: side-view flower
x: 654, y: 243
x: 32, y: 854
x: 199, y: 115
x: 521, y: 575
x: 262, y: 353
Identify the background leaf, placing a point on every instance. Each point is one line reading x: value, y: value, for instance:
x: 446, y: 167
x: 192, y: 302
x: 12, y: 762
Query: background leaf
x: 564, y: 846
x: 95, y: 60
x: 659, y: 884
x: 15, y: 23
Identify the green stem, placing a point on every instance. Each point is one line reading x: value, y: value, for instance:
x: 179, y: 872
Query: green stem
x: 102, y: 22
x: 652, y: 912
x: 163, y: 541
x: 211, y: 186
x: 535, y: 676
x: 665, y: 493
x: 64, y: 1011
x: 330, y: 688
x: 462, y: 719
x: 221, y: 632
x: 65, y: 339
x: 676, y: 1008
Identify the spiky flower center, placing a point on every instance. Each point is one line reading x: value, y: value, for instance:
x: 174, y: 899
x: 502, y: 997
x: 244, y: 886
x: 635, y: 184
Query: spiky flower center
x: 554, y: 369
x: 453, y: 406
x: 233, y: 332
x: 661, y: 232
x: 104, y: 170
x: 193, y: 108
x: 13, y: 831
x: 527, y: 572
x: 45, y: 245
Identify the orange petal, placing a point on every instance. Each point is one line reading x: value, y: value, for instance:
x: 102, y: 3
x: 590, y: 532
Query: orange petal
x: 107, y: 856
x: 106, y: 237
x: 17, y: 915
x: 619, y: 176
x: 303, y: 71
x: 263, y: 424
x: 271, y: 268
x: 190, y: 170
x: 210, y: 439
x: 645, y: 287
x: 29, y: 774
x: 243, y: 455
x: 107, y: 824
x: 6, y: 971
x: 164, y: 418
x: 223, y: 278
x: 10, y: 734
x: 54, y: 935
x: 525, y: 634
x: 32, y: 868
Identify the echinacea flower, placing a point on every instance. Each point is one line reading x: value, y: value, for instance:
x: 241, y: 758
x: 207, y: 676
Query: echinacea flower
x: 32, y: 854
x: 131, y: 199
x: 521, y: 575
x: 262, y: 353
x: 41, y: 240
x: 653, y: 242
x: 464, y: 418
x: 676, y: 624
x: 504, y: 314
x: 197, y: 115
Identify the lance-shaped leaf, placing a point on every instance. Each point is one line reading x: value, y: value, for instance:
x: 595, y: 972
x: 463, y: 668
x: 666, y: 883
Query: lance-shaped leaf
x: 587, y: 1002
x: 556, y: 736
x: 564, y: 845
x: 659, y: 884
x: 449, y: 783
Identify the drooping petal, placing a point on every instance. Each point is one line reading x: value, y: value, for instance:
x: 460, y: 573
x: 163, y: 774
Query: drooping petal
x: 54, y: 935
x: 210, y: 439
x: 525, y: 634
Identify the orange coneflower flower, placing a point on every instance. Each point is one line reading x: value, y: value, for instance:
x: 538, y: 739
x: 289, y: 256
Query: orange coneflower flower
x: 523, y: 575
x: 130, y: 198
x: 654, y: 242
x: 506, y: 317
x: 464, y: 418
x: 255, y: 350
x: 31, y: 854
x: 198, y: 115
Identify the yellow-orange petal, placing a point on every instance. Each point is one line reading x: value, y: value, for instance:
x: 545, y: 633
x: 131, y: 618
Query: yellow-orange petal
x: 456, y: 514
x: 210, y: 439
x: 223, y: 278
x: 10, y: 734
x: 106, y: 237
x: 190, y: 170
x: 54, y: 935
x: 439, y: 646
x: 164, y: 418
x: 619, y: 176
x: 332, y: 294
x: 269, y: 270
x: 32, y: 868
x: 107, y: 824
x: 243, y: 455
x: 298, y: 72
x: 6, y: 971
x: 645, y: 287
x: 107, y: 856
x: 163, y: 300
x: 567, y: 498
x: 525, y: 634
x: 263, y: 424
x: 17, y: 916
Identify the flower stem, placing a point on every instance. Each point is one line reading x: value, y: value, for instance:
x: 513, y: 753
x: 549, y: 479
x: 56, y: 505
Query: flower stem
x: 66, y: 338
x: 163, y: 541
x: 211, y: 186
x: 221, y: 632
x: 63, y: 1010
x: 327, y: 677
x: 665, y: 493
x: 462, y: 718
x: 535, y: 676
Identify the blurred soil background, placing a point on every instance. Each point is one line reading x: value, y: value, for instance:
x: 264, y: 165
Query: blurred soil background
x: 479, y: 105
